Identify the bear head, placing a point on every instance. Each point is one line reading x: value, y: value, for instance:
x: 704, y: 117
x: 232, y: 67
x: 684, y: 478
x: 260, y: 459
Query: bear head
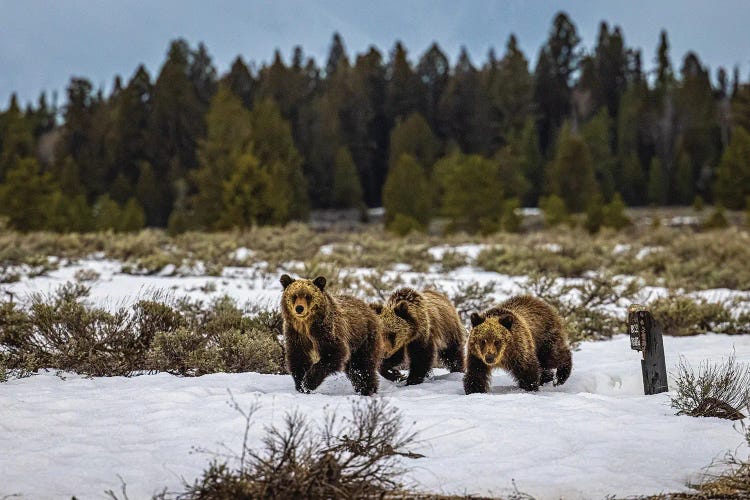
x: 399, y: 325
x: 489, y: 336
x: 303, y: 299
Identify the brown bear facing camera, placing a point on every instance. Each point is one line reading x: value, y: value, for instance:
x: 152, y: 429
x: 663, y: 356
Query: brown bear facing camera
x: 523, y: 335
x: 326, y: 333
x: 420, y: 326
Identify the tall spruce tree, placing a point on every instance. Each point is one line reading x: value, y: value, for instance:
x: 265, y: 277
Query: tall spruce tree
x: 571, y: 174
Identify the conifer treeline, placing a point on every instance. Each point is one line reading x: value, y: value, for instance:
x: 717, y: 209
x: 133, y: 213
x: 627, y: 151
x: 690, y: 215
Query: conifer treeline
x: 192, y: 149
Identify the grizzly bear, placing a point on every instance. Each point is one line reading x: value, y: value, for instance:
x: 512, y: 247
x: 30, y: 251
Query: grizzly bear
x: 523, y: 335
x: 326, y: 333
x: 420, y: 325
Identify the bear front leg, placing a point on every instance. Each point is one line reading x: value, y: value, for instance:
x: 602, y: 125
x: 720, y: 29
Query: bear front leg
x: 528, y: 375
x: 388, y: 367
x: 477, y: 375
x: 565, y: 360
x: 453, y: 357
x: 297, y: 363
x: 421, y: 355
x: 331, y: 361
x: 362, y: 370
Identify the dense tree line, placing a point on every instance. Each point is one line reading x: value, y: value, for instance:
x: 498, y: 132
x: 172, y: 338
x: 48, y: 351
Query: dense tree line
x: 192, y: 149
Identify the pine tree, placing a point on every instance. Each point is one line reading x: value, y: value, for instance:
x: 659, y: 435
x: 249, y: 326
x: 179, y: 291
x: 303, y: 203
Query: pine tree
x: 107, y: 214
x: 511, y: 92
x: 16, y: 139
x: 403, y: 92
x: 25, y: 196
x: 147, y: 191
x: 733, y: 175
x: 614, y: 214
x: 433, y: 71
x: 133, y: 217
x: 532, y: 162
x: 596, y: 134
x: 571, y: 175
x: 464, y: 108
x: 557, y: 61
x: 247, y: 196
x: 240, y: 82
x: 472, y: 193
x: 347, y: 189
x: 273, y: 145
x: 414, y: 137
x: 657, y: 183
x: 406, y: 194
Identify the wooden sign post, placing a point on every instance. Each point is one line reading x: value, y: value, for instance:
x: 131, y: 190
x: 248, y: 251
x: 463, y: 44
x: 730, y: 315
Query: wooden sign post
x: 646, y: 336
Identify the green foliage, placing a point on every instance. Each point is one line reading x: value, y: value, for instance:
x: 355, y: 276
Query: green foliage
x: 717, y: 219
x: 26, y: 195
x: 733, y: 175
x: 698, y: 203
x: 571, y: 174
x: 614, y: 214
x: 347, y: 187
x: 414, y: 137
x: 657, y: 183
x: 406, y: 192
x: 511, y: 220
x: 554, y: 209
x: 594, y: 214
x: 472, y: 193
x: 596, y: 134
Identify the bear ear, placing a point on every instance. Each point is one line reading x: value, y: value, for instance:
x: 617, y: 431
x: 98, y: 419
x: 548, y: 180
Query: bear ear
x: 402, y: 311
x: 476, y: 319
x: 378, y: 308
x: 506, y: 321
x: 286, y: 280
x: 320, y: 282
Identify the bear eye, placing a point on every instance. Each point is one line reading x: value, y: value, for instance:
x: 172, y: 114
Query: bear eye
x: 483, y: 343
x: 308, y: 297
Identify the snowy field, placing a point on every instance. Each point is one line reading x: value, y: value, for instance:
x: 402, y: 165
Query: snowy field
x: 597, y: 435
x: 593, y: 436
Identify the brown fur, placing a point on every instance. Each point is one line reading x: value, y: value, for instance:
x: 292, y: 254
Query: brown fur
x: 324, y: 334
x: 420, y: 325
x: 523, y: 335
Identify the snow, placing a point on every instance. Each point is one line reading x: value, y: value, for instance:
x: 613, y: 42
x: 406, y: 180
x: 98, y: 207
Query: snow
x: 586, y: 439
x: 470, y: 251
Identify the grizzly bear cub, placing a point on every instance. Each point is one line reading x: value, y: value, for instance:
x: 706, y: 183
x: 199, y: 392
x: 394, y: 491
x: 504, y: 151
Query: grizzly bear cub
x: 420, y: 325
x: 523, y: 335
x: 324, y: 334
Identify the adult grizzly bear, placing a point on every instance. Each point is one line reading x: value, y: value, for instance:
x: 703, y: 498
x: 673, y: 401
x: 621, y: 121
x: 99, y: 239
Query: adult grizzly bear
x: 523, y: 335
x: 324, y: 334
x: 420, y: 325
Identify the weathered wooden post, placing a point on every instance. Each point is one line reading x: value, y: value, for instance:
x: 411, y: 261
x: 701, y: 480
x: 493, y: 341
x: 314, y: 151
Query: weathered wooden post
x: 646, y: 336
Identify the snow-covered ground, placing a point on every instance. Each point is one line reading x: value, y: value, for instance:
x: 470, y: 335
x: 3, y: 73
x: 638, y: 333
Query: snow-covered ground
x: 595, y: 435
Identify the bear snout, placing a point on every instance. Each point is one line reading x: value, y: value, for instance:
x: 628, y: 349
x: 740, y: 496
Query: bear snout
x: 299, y: 309
x: 490, y: 359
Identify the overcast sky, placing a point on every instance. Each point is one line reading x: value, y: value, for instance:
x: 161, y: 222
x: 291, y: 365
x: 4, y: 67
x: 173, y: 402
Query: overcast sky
x: 44, y: 43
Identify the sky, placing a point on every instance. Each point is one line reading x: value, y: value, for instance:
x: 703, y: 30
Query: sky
x: 44, y: 43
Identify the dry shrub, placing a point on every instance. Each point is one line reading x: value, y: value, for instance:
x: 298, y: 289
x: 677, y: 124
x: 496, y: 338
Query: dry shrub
x: 63, y: 332
x: 717, y: 390
x: 584, y: 306
x: 473, y: 297
x: 681, y: 315
x: 358, y: 456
